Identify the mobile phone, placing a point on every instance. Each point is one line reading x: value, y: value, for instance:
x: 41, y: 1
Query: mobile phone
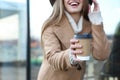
x: 90, y: 2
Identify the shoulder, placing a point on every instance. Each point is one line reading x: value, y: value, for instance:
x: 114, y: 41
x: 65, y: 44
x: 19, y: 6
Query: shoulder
x: 50, y: 28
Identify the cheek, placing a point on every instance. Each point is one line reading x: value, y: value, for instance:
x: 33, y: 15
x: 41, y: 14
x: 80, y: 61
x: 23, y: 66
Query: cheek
x: 67, y: 8
x: 81, y: 0
x: 65, y: 1
x: 65, y: 5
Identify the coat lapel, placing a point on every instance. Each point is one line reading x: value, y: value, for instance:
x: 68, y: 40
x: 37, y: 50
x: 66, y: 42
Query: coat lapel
x: 64, y: 32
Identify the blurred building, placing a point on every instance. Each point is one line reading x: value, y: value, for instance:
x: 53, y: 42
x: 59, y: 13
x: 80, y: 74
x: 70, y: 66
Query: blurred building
x: 13, y: 17
x: 8, y: 51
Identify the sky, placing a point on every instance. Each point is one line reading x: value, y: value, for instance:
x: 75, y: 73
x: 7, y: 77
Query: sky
x: 9, y: 29
x: 40, y: 10
x: 110, y: 10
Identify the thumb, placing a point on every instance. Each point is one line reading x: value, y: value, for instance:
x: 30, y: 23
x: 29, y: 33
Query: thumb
x: 89, y: 8
x: 96, y: 5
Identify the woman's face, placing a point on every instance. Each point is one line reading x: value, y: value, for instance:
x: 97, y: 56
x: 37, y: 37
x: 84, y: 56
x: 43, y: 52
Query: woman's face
x: 73, y: 6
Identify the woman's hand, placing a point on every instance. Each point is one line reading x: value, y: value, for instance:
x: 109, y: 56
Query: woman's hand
x: 96, y: 6
x: 74, y: 50
x: 95, y: 15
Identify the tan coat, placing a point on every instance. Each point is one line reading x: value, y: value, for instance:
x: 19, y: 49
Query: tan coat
x: 56, y: 40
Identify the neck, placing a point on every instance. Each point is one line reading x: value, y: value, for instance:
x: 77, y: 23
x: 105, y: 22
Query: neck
x: 76, y: 16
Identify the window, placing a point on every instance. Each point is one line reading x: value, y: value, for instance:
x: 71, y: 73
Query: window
x: 14, y: 41
x: 13, y: 35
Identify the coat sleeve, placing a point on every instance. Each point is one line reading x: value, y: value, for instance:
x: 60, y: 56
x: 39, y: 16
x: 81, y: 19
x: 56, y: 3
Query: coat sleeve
x: 101, y: 45
x: 52, y: 50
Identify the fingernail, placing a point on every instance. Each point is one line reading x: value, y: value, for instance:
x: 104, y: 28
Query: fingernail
x: 81, y: 46
x: 80, y: 51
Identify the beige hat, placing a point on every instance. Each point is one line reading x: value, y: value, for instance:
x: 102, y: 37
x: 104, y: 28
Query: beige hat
x: 52, y: 2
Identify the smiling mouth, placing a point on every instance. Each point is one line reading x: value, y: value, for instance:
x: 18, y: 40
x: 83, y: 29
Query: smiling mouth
x: 74, y: 3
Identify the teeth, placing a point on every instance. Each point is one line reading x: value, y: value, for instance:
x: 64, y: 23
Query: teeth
x: 74, y: 3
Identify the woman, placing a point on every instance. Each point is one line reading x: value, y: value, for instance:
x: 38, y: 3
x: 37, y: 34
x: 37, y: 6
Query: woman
x: 60, y: 62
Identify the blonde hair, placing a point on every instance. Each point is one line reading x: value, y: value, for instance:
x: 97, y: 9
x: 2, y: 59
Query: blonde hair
x: 58, y: 12
x: 56, y: 16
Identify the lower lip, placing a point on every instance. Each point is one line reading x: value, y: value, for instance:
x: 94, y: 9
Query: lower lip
x: 74, y: 6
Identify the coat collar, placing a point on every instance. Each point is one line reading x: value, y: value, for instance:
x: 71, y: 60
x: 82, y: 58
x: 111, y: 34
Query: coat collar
x: 64, y: 31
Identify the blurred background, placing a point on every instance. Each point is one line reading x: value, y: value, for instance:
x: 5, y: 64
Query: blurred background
x: 14, y: 24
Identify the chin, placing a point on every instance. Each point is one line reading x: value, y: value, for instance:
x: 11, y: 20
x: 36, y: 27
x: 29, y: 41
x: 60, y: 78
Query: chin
x: 74, y: 11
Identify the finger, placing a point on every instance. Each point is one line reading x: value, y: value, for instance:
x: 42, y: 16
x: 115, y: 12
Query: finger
x: 76, y: 47
x: 77, y: 60
x: 75, y: 52
x: 94, y: 1
x: 96, y: 5
x: 89, y: 7
x: 73, y: 41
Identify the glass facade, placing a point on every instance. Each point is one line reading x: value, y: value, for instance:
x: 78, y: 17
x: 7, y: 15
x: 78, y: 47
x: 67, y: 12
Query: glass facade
x: 13, y: 26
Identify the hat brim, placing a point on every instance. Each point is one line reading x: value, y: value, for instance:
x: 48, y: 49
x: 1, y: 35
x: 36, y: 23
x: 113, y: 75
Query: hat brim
x: 52, y: 2
x: 90, y: 2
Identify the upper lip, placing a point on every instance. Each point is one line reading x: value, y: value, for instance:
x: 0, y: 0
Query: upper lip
x: 73, y: 3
